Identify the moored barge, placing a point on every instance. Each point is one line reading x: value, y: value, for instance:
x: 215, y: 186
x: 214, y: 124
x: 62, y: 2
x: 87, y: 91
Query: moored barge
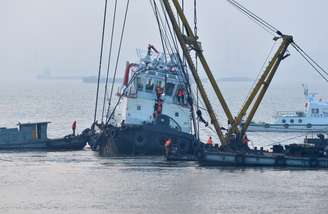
x: 33, y: 136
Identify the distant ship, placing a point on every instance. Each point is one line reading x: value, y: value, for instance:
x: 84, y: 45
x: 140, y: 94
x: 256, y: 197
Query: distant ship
x: 47, y: 75
x: 94, y: 79
x: 314, y: 118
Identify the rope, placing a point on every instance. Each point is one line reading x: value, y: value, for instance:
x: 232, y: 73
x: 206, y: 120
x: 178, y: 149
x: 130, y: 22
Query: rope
x: 285, y: 140
x: 109, y: 59
x: 100, y: 60
x: 119, y: 53
x: 271, y: 29
x: 123, y: 93
x: 155, y: 10
x: 260, y: 72
x: 262, y: 23
x: 173, y: 50
x: 196, y: 61
x: 312, y: 62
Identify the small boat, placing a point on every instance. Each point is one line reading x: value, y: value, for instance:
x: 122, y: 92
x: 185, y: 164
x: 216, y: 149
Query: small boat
x: 314, y: 118
x: 33, y: 136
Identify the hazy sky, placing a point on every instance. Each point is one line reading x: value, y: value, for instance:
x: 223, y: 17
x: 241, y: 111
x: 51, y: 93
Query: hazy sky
x: 63, y: 36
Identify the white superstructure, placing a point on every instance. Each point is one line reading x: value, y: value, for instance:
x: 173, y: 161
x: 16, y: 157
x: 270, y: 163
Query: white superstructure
x: 143, y: 80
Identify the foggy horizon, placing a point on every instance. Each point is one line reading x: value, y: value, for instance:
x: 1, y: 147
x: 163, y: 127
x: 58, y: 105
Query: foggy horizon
x: 63, y: 37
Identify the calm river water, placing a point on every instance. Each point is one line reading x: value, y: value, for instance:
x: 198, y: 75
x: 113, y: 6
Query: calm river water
x: 82, y: 182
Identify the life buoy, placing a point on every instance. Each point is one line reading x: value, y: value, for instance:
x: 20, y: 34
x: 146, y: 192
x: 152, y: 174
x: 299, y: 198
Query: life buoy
x: 280, y: 161
x: 200, y: 154
x: 313, y: 162
x: 286, y: 126
x: 183, y: 147
x: 309, y: 125
x: 240, y: 159
x: 266, y: 125
x: 112, y: 133
x: 94, y: 147
x: 140, y: 140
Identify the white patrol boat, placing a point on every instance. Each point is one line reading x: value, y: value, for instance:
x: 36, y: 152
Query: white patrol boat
x: 314, y: 118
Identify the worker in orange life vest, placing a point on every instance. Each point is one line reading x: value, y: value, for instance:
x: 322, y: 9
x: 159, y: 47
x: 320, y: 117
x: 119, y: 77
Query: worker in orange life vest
x: 181, y: 95
x: 245, y: 139
x: 209, y: 141
x: 159, y: 106
x: 167, y: 145
x: 159, y: 91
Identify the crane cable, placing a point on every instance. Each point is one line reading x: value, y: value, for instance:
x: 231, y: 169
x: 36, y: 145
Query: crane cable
x: 271, y: 29
x: 172, y: 50
x: 318, y: 68
x: 176, y: 49
x: 109, y: 58
x: 265, y: 25
x: 100, y: 60
x: 155, y: 10
x: 118, y: 55
x: 196, y: 63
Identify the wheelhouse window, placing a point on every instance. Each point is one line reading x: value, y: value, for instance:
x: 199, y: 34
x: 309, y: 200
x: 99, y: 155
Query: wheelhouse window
x: 169, y: 88
x: 159, y: 83
x: 292, y: 121
x: 283, y: 121
x: 139, y: 84
x: 300, y: 121
x: 150, y: 85
x: 315, y: 111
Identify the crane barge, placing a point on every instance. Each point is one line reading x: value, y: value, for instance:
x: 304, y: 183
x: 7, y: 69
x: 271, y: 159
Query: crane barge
x: 234, y: 151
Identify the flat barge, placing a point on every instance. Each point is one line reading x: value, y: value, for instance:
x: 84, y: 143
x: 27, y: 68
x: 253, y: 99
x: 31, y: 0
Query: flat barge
x: 33, y: 136
x: 265, y: 159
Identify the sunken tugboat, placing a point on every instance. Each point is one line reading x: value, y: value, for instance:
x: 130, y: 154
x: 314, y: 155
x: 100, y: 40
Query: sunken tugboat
x: 154, y: 109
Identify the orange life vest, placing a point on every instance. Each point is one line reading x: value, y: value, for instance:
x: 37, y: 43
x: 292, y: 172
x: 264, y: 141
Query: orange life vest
x: 168, y: 142
x: 180, y: 92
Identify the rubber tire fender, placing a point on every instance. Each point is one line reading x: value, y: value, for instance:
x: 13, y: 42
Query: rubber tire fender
x: 280, y: 161
x: 240, y: 159
x: 309, y: 125
x: 140, y: 140
x: 313, y: 162
x: 112, y: 132
x: 183, y: 146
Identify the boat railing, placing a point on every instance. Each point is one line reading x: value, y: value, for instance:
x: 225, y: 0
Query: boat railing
x: 289, y: 114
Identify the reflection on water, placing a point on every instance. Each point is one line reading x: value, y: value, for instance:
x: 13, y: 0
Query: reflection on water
x: 83, y: 182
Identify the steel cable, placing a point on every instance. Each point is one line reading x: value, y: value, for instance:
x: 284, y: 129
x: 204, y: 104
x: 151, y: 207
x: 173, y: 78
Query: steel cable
x: 100, y: 60
x: 118, y: 54
x: 109, y: 59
